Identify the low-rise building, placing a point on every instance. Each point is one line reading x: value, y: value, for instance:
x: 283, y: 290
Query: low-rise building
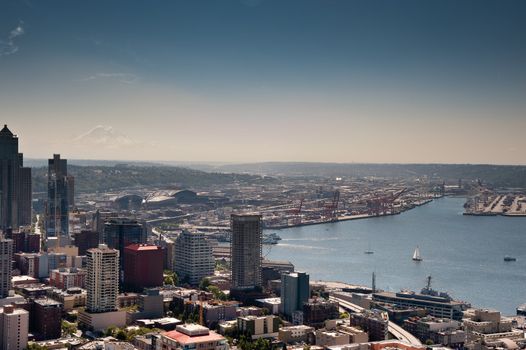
x: 295, y: 334
x: 70, y: 299
x: 46, y: 317
x: 192, y: 336
x: 375, y: 323
x: 65, y: 278
x: 317, y: 311
x: 259, y: 327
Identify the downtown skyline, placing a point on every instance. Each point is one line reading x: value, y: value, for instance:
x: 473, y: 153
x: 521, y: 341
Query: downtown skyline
x: 249, y: 81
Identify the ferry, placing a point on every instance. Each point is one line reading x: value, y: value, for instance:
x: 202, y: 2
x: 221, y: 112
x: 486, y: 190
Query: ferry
x: 509, y: 258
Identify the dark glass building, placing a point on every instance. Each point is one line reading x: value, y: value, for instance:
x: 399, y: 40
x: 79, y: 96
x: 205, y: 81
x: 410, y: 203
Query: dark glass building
x: 57, y: 211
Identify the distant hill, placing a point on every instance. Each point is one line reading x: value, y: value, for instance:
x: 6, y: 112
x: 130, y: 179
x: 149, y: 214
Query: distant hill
x: 107, y: 178
x: 496, y: 175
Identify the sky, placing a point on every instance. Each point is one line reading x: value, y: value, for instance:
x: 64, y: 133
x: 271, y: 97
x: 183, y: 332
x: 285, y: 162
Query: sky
x: 408, y: 81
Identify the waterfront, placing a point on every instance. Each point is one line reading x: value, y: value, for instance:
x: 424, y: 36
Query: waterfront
x: 464, y: 254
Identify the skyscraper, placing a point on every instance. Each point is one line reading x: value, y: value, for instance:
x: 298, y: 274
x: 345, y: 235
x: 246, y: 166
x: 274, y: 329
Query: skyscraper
x: 57, y: 211
x: 294, y: 292
x: 121, y: 232
x: 15, y: 183
x: 245, y: 251
x: 193, y: 257
x: 102, y: 282
x: 6, y: 255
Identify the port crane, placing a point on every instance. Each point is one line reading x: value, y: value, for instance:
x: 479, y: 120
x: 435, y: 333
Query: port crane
x: 332, y: 208
x: 383, y: 204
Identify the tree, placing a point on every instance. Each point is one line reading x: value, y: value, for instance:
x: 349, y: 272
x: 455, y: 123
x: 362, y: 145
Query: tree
x: 68, y: 328
x: 205, y: 283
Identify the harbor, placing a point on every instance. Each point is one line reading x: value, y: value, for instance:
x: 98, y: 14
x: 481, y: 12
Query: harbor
x: 464, y: 254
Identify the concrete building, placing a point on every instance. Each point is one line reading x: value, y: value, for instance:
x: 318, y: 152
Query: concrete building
x: 57, y: 208
x: 193, y: 257
x: 317, y: 311
x: 65, y: 278
x: 246, y: 251
x: 295, y: 291
x: 356, y: 335
x: 295, y: 334
x: 327, y: 338
x: 102, y: 282
x: 14, y: 327
x: 6, y: 256
x: 143, y: 267
x: 441, y: 331
x: 192, y: 336
x: 259, y: 326
x: 437, y: 306
x: 70, y: 299
x: 272, y: 305
x: 46, y: 317
x: 487, y: 325
x: 15, y: 184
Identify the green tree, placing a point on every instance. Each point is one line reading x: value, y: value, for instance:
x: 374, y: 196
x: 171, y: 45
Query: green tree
x: 205, y: 283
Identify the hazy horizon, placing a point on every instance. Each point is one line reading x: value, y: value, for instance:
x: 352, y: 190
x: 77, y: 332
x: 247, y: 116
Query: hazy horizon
x: 249, y: 81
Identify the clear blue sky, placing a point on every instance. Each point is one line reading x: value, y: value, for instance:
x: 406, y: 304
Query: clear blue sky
x: 258, y: 80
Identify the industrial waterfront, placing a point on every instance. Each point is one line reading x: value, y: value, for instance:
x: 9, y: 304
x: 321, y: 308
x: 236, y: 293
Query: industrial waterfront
x: 464, y: 254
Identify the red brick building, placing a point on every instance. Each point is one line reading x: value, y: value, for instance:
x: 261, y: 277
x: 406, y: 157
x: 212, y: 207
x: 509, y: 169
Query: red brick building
x: 65, y: 278
x: 143, y: 266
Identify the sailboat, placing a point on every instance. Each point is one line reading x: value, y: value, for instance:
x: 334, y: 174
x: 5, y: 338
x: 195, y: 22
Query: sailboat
x: 416, y: 255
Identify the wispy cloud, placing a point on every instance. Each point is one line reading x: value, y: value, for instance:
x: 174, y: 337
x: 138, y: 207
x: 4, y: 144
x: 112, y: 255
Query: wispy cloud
x: 8, y: 46
x: 126, y: 78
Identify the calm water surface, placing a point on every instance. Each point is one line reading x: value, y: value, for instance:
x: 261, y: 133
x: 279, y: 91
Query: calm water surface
x: 463, y: 254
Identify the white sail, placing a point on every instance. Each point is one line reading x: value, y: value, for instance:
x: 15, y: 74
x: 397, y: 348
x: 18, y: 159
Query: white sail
x: 416, y: 254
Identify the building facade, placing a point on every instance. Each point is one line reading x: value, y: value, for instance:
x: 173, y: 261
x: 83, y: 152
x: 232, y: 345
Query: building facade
x: 193, y: 257
x: 102, y: 280
x: 65, y: 278
x: 14, y: 327
x: 46, y: 318
x: 121, y: 232
x: 6, y: 269
x: 143, y: 267
x: 15, y: 183
x: 57, y: 208
x: 246, y: 251
x: 85, y: 240
x: 295, y: 291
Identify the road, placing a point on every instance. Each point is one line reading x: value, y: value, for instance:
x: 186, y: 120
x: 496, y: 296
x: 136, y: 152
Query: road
x: 397, y: 331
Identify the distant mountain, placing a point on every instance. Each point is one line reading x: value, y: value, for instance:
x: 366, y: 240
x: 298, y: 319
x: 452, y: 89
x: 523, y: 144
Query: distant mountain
x: 103, y: 136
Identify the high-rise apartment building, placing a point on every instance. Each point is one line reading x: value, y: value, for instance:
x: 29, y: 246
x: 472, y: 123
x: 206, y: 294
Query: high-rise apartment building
x: 6, y: 256
x: 294, y: 292
x: 193, y: 257
x: 14, y: 326
x: 102, y: 280
x: 143, y: 267
x: 57, y: 209
x: 15, y: 183
x: 245, y: 251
